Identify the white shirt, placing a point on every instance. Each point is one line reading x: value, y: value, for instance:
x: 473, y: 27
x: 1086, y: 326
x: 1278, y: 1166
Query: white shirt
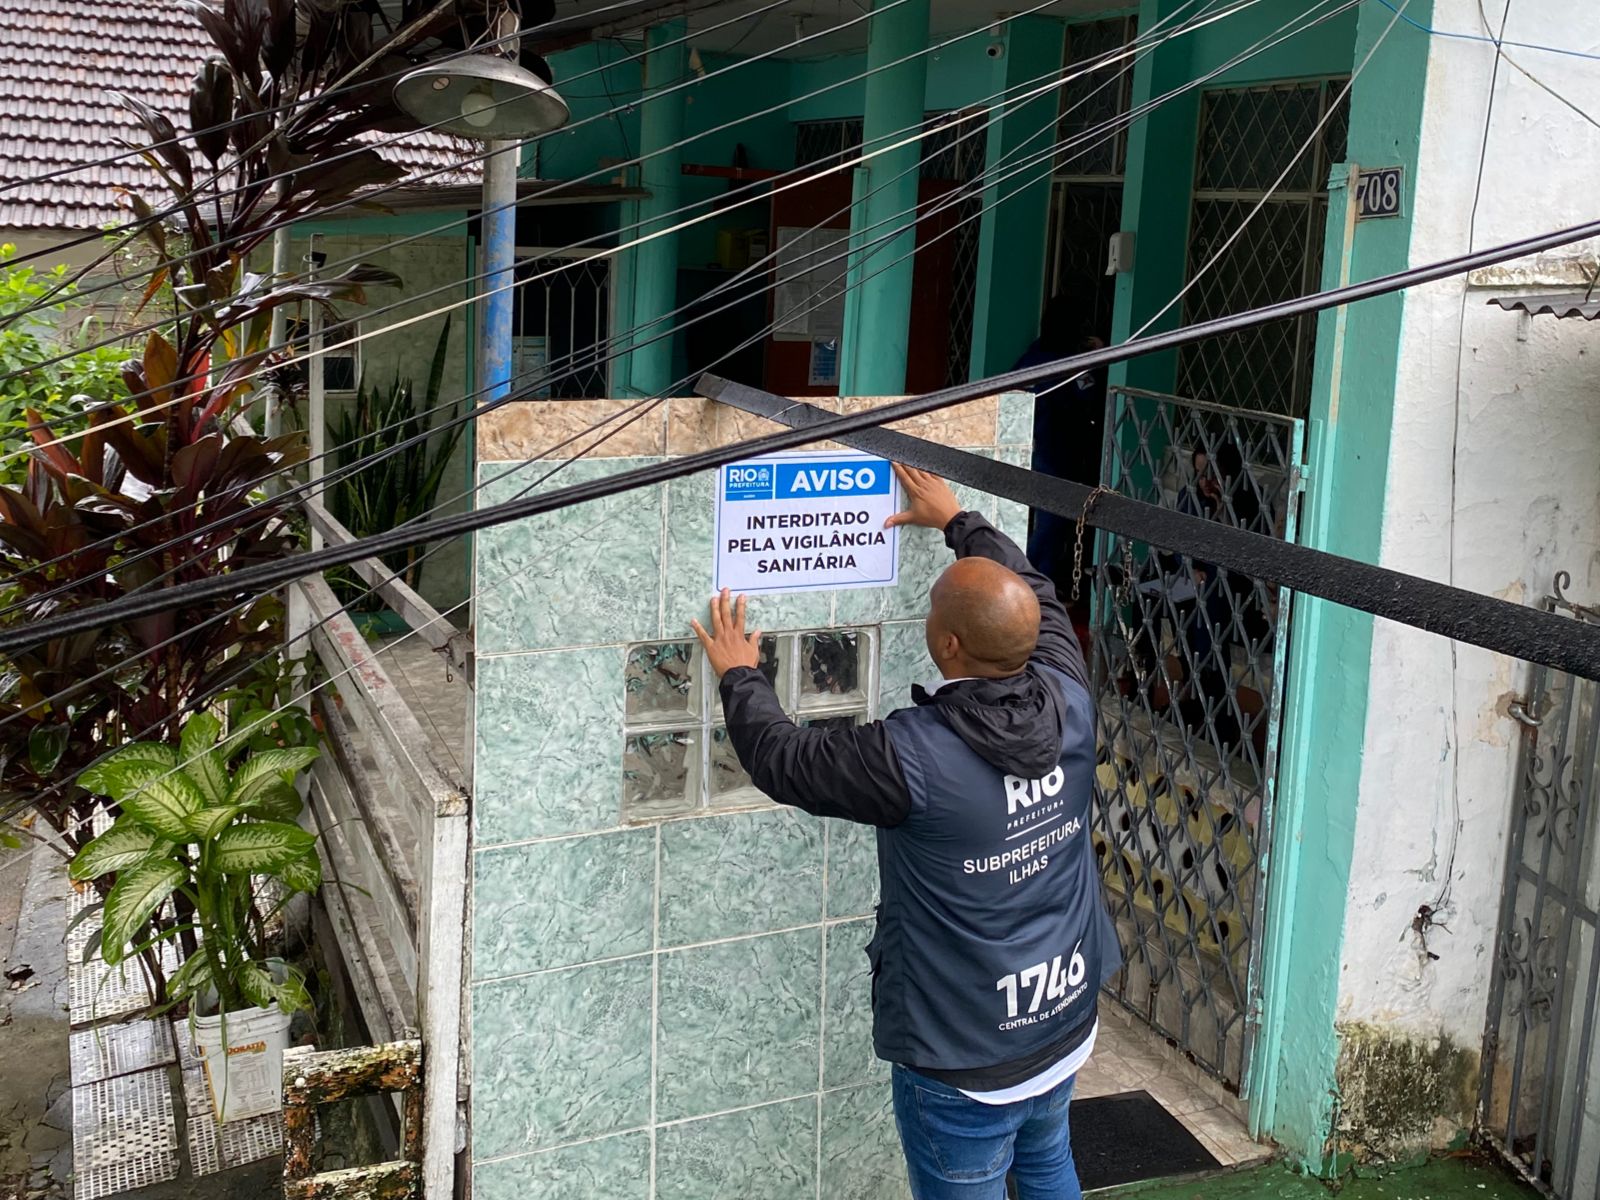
x: 1052, y: 1077
x: 1044, y: 1081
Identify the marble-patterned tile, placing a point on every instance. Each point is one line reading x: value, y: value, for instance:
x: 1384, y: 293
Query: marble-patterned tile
x: 847, y: 1056
x: 617, y: 1168
x: 739, y: 1023
x: 554, y: 904
x: 560, y: 1056
x: 969, y: 424
x: 861, y: 1156
x: 578, y: 576
x: 749, y: 872
x: 1011, y: 517
x: 1016, y: 420
x: 691, y: 526
x: 549, y: 744
x: 539, y: 429
x: 768, y: 1152
x: 902, y: 661
x: 852, y: 869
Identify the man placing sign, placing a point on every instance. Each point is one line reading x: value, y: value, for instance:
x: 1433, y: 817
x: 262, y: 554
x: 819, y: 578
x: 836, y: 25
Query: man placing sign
x: 992, y: 939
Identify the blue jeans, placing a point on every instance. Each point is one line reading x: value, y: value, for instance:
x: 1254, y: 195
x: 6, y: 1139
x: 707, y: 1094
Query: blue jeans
x: 959, y: 1149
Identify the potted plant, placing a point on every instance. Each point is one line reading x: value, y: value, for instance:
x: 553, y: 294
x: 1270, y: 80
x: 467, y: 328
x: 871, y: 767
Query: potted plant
x: 195, y: 824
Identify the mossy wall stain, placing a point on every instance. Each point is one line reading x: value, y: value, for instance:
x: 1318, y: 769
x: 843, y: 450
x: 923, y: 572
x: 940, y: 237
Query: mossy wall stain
x: 1399, y: 1095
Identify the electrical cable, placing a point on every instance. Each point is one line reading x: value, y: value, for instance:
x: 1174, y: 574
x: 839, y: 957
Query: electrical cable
x: 1113, y: 126
x: 1052, y: 151
x: 589, y: 364
x: 268, y: 576
x: 435, y: 230
x: 133, y: 229
x: 336, y: 90
x: 1520, y: 631
x: 1473, y: 37
x: 559, y: 466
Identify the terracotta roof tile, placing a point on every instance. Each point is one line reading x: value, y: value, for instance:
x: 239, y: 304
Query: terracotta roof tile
x: 63, y: 60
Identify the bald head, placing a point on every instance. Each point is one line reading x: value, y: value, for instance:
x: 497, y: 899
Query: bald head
x: 984, y: 620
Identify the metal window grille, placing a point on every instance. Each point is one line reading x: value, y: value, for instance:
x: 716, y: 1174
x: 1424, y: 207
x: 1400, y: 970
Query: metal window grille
x: 957, y: 153
x: 563, y: 324
x: 677, y: 758
x: 1086, y: 207
x: 1097, y: 96
x: 1188, y: 664
x: 1248, y: 136
x: 1541, y: 1055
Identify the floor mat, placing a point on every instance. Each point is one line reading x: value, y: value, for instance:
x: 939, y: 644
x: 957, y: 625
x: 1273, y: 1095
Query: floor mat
x: 1128, y: 1138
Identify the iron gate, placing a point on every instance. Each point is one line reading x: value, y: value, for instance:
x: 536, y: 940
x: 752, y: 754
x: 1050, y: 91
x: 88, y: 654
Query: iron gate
x: 1540, y: 1098
x: 1188, y: 666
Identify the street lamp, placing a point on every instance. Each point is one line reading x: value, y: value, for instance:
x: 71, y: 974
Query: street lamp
x: 494, y: 100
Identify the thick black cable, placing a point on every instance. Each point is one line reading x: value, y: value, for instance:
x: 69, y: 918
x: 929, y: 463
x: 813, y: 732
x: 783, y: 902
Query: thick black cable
x: 1264, y: 559
x: 1487, y: 621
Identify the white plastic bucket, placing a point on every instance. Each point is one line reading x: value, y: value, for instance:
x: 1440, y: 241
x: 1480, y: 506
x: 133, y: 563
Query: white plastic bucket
x: 242, y: 1053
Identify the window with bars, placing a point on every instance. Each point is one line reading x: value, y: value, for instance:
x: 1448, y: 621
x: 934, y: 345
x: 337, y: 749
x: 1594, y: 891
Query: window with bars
x: 677, y: 758
x: 1086, y: 207
x: 1248, y: 138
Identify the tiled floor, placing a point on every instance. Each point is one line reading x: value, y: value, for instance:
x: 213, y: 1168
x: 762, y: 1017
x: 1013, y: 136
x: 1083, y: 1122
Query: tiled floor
x: 1129, y: 1058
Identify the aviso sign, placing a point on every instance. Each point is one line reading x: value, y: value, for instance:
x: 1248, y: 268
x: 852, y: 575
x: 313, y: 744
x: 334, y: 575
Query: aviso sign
x: 806, y: 522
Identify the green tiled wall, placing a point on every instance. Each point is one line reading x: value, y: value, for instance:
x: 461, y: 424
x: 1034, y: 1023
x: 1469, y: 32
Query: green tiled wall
x: 679, y: 1009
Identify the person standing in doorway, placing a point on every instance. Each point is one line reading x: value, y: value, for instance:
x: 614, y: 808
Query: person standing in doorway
x: 1068, y: 413
x: 992, y: 937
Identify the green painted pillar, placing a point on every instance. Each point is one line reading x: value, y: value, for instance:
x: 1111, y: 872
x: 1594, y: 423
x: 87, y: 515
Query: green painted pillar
x: 1014, y: 232
x: 877, y: 308
x: 1293, y: 1078
x: 1155, y: 202
x: 652, y: 266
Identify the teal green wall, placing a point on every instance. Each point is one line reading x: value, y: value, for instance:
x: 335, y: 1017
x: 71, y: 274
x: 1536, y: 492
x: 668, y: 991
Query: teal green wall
x: 1155, y: 202
x: 1292, y: 1089
x: 958, y: 75
x: 1322, y: 50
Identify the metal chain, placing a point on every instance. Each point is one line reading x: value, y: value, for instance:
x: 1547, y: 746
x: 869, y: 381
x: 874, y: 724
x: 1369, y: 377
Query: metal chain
x: 1077, y: 552
x: 1124, y: 590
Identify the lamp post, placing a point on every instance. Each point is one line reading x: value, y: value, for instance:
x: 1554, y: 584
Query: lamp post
x: 493, y: 100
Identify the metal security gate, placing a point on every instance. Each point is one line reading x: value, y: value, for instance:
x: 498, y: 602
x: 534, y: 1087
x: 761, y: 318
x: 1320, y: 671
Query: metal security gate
x: 1188, y: 664
x: 1540, y: 1100
x: 1248, y: 138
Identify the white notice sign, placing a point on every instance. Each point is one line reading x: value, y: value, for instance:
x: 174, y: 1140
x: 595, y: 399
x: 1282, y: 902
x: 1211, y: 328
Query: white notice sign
x: 807, y: 522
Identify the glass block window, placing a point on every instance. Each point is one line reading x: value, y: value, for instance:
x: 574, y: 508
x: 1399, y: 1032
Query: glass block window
x: 677, y: 758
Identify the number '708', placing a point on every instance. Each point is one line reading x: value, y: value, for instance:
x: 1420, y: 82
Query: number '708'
x: 1047, y: 980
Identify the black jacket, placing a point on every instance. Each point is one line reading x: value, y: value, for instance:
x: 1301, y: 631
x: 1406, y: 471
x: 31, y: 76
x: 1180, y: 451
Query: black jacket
x: 1015, y: 724
x: 852, y: 773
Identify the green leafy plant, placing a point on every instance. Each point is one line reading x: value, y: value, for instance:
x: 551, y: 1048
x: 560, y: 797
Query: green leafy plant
x: 260, y: 703
x: 61, y: 391
x: 404, y: 485
x: 202, y: 821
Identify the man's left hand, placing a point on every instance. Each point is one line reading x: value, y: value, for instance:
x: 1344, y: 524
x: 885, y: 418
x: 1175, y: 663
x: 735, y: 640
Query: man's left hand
x: 727, y: 645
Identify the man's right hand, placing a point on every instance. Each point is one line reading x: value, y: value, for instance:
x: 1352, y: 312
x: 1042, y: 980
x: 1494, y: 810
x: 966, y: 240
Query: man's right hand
x: 929, y: 500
